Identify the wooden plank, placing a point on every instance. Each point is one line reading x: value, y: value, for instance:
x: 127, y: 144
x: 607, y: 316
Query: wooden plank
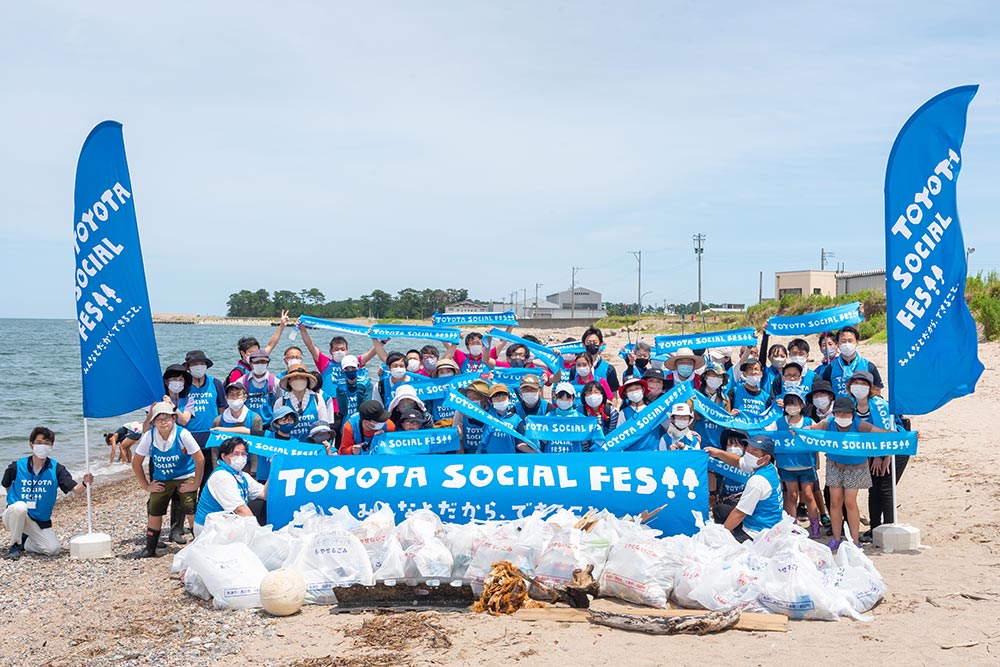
x: 749, y: 621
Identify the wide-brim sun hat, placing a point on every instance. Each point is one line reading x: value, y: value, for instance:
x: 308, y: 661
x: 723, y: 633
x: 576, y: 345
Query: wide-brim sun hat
x: 296, y: 372
x: 683, y: 353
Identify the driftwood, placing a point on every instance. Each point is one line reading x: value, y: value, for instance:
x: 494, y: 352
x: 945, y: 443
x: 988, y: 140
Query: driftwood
x: 575, y: 593
x: 702, y: 624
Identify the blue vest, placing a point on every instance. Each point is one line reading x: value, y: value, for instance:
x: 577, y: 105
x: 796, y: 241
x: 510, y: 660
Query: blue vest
x: 308, y: 417
x: 831, y: 425
x: 748, y: 404
x: 38, y: 491
x: 647, y: 443
x: 360, y: 438
x: 388, y: 389
x: 840, y: 373
x: 799, y: 459
x: 731, y: 487
x: 879, y: 415
x: 203, y: 403
x: 207, y: 502
x: 540, y: 409
x: 438, y: 411
x: 470, y: 365
x: 498, y: 442
x: 261, y: 399
x: 472, y: 434
x: 174, y: 463
x: 769, y: 510
x: 349, y: 397
x: 562, y: 446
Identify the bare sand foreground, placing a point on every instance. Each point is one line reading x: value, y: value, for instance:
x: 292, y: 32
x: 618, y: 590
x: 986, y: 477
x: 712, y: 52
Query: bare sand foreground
x: 943, y: 605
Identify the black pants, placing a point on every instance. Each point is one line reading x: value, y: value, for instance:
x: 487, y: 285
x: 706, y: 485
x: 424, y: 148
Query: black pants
x: 880, y: 501
x: 721, y: 512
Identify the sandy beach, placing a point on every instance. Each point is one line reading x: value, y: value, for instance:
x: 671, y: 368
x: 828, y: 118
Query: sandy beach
x: 943, y: 604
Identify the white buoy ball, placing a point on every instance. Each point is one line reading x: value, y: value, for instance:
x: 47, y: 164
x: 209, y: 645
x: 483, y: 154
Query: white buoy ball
x: 282, y: 592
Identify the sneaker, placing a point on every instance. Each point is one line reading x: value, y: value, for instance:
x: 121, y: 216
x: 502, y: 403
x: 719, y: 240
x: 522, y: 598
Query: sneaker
x: 825, y: 520
x: 15, y: 552
x: 814, y: 532
x: 833, y: 544
x: 866, y: 537
x: 800, y: 512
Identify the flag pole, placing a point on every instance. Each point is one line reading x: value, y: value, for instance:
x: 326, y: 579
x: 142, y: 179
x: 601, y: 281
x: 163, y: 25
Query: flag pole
x: 86, y: 457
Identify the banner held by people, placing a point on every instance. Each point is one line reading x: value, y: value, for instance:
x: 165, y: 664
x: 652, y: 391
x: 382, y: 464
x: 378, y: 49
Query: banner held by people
x: 649, y: 419
x: 821, y: 321
x: 544, y: 354
x: 462, y: 488
x: 444, y: 334
x: 567, y: 429
x: 424, y: 441
x: 668, y: 344
x: 497, y: 319
x: 931, y: 332
x: 264, y: 446
x: 460, y: 403
x: 329, y: 325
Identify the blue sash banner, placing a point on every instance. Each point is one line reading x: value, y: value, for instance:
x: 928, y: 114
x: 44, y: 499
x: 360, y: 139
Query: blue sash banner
x: 429, y: 389
x: 461, y: 404
x: 903, y: 443
x: 668, y: 344
x: 258, y: 444
x: 118, y: 358
x: 564, y: 429
x: 726, y: 470
x: 648, y: 419
x: 821, y: 321
x: 504, y: 319
x: 572, y: 348
x: 461, y: 488
x: 932, y: 335
x: 717, y: 415
x: 424, y: 441
x: 626, y: 349
x: 444, y: 334
x: 339, y: 327
x: 544, y: 354
x: 512, y: 376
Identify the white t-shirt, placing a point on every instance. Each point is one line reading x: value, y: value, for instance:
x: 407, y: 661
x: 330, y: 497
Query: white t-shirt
x: 757, y: 489
x: 226, y: 491
x: 152, y: 438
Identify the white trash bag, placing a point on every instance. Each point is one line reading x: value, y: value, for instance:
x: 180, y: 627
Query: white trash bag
x: 791, y: 585
x: 856, y: 577
x: 230, y: 572
x: 462, y: 540
x: 574, y: 549
x: 641, y: 569
x: 520, y: 541
x: 328, y: 560
x: 377, y: 533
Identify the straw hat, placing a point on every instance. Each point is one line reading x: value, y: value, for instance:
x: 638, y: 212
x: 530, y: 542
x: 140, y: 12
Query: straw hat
x: 295, y: 372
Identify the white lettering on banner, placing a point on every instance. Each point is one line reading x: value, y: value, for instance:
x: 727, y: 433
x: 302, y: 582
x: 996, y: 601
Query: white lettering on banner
x: 105, y: 342
x: 928, y: 277
x: 86, y: 225
x: 777, y: 327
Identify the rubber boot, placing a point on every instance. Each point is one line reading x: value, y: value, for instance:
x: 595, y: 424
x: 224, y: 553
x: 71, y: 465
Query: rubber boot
x: 152, y: 538
x: 176, y: 521
x: 814, y: 531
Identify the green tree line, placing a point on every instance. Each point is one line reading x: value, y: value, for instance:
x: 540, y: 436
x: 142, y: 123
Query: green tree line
x: 408, y: 303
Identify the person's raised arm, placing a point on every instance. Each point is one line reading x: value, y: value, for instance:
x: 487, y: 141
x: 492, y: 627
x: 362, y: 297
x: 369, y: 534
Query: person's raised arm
x: 276, y: 337
x: 449, y: 350
x: 378, y: 345
x: 310, y: 345
x: 367, y: 356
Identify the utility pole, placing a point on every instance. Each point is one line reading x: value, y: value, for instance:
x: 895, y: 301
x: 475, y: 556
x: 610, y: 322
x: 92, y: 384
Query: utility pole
x: 638, y: 291
x: 524, y: 301
x: 572, y: 294
x: 760, y: 294
x: 537, y: 285
x: 699, y: 250
x: 824, y: 255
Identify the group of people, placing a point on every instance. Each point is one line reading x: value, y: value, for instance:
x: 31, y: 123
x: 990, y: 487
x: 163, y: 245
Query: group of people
x: 343, y: 408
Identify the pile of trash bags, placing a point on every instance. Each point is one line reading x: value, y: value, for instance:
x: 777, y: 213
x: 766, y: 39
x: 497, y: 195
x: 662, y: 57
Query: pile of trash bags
x: 780, y: 571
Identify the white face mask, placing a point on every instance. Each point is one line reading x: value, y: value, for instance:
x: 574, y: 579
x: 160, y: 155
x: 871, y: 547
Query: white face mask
x: 821, y: 402
x: 594, y: 400
x: 198, y: 371
x: 175, y: 386
x: 635, y: 395
x: 830, y: 352
x: 569, y: 358
x: 583, y: 371
x: 529, y: 398
x: 338, y: 356
x: 682, y: 423
x: 378, y: 426
x: 844, y: 422
x: 501, y: 406
x: 564, y: 403
x: 412, y: 365
x: 778, y: 362
x: 299, y: 385
x: 430, y: 363
x: 735, y: 449
x: 237, y: 462
x: 656, y: 363
x: 293, y: 361
x: 859, y: 391
x: 748, y: 462
x: 793, y: 410
x: 446, y: 374
x: 259, y: 369
x: 475, y: 350
x: 713, y: 382
x: 685, y: 370
x: 41, y: 451
x: 848, y: 349
x: 801, y: 361
x: 752, y: 380
x: 235, y: 404
x: 397, y: 373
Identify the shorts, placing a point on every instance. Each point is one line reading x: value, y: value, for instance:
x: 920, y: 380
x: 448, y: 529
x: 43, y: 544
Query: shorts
x: 158, y: 500
x: 843, y: 477
x: 802, y: 476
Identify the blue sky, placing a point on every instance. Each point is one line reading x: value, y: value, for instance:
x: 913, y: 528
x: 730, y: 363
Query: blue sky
x: 354, y: 147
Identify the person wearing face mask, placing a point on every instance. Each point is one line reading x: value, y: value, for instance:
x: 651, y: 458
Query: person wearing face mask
x: 331, y: 365
x: 429, y: 357
x: 363, y: 431
x: 584, y: 372
x: 637, y: 361
x: 722, y: 489
x: 748, y: 399
x: 566, y: 405
x: 472, y: 360
x: 593, y: 341
x: 654, y: 380
x: 324, y: 434
x: 247, y: 345
x: 441, y: 416
x: 517, y: 357
x: 280, y: 428
x: 292, y: 357
x: 229, y: 489
x: 840, y: 369
x: 682, y: 365
x: 406, y: 399
x: 798, y: 471
x: 633, y: 395
x: 393, y: 379
x: 299, y: 386
x: 829, y: 349
x: 713, y: 387
x: 470, y: 431
x: 777, y: 357
x: 760, y: 505
x: 680, y: 434
x: 819, y: 401
x: 237, y: 417
x: 178, y: 465
x: 32, y: 483
x: 205, y: 401
x: 261, y: 386
x: 495, y: 441
x: 531, y: 403
x: 845, y: 474
x: 353, y: 391
x: 798, y: 353
x: 789, y: 380
x: 413, y: 364
x: 596, y: 404
x: 176, y: 385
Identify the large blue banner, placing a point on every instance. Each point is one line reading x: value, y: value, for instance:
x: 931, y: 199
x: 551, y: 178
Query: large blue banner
x: 429, y: 389
x: 668, y: 344
x: 330, y: 325
x: 564, y: 429
x: 462, y: 487
x: 933, y: 341
x: 504, y: 319
x: 544, y: 354
x: 821, y: 321
x: 119, y: 361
